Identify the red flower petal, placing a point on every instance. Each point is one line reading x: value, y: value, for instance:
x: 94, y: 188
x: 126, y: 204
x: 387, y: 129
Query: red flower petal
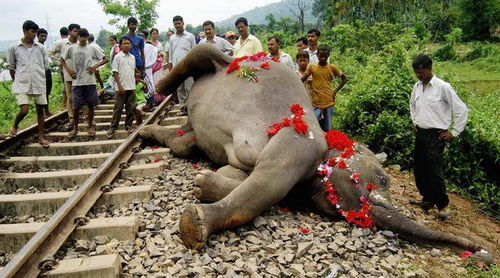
x: 371, y: 186
x: 465, y: 254
x: 155, y: 147
x: 195, y: 166
x: 180, y: 132
x: 341, y: 164
x: 300, y: 125
x: 338, y: 140
x: 284, y: 209
x: 304, y: 231
x: 265, y: 65
x: 297, y: 110
x: 156, y: 160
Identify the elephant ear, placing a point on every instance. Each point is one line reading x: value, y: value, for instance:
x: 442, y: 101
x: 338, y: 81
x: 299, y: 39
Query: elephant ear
x: 202, y: 59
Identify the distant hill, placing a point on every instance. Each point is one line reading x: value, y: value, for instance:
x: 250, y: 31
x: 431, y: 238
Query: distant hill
x: 4, y: 45
x: 279, y: 9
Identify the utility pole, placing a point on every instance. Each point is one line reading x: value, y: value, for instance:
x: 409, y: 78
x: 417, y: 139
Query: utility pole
x: 50, y: 37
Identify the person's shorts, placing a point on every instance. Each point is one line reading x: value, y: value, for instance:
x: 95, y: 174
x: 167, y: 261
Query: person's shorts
x: 23, y: 99
x: 85, y: 95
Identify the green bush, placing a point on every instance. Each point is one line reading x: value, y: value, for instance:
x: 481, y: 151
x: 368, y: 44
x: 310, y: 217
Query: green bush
x: 479, y: 50
x: 10, y: 107
x: 374, y: 109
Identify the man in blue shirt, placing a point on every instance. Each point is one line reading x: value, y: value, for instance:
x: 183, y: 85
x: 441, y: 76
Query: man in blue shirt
x: 137, y: 44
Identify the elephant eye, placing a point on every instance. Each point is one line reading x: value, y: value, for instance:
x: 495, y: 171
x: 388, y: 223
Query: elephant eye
x: 382, y: 179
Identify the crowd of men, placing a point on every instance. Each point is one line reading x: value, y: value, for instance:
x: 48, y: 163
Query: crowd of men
x: 136, y: 58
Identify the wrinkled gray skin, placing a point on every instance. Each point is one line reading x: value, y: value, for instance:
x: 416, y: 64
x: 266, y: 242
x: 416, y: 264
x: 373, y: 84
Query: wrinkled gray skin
x: 228, y: 118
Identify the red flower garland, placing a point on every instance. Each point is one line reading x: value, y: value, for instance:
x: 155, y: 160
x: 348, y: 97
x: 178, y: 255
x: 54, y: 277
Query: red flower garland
x: 341, y: 142
x: 261, y: 56
x: 299, y: 125
x: 338, y: 140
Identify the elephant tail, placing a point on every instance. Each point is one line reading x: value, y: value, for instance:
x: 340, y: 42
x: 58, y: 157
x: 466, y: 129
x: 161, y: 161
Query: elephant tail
x: 202, y: 59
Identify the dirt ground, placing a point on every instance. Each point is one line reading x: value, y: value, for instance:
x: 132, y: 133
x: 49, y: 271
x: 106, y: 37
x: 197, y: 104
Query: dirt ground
x: 466, y: 221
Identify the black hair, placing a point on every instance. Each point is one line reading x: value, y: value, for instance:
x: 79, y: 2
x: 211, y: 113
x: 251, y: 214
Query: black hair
x: 178, y: 18
x: 83, y: 33
x: 315, y: 31
x: 154, y: 29
x: 145, y: 33
x: 241, y: 19
x: 131, y: 20
x: 302, y: 39
x: 112, y: 36
x: 91, y: 38
x: 124, y: 38
x: 276, y: 39
x: 302, y: 54
x: 29, y: 25
x: 63, y: 31
x: 41, y: 31
x: 209, y: 22
x: 73, y: 26
x: 324, y: 48
x: 423, y: 61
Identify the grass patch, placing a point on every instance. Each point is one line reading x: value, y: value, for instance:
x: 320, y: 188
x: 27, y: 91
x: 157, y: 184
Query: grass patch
x: 10, y: 107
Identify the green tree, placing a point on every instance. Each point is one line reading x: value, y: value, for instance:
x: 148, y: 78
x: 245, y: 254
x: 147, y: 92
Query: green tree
x: 479, y: 18
x: 102, y: 38
x: 271, y: 22
x: 143, y: 10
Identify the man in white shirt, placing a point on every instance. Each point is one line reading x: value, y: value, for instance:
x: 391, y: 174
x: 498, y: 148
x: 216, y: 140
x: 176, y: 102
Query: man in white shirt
x: 438, y: 115
x: 58, y: 50
x: 179, y: 45
x: 27, y: 62
x: 274, y: 47
x: 247, y: 44
x: 211, y: 38
x: 313, y: 37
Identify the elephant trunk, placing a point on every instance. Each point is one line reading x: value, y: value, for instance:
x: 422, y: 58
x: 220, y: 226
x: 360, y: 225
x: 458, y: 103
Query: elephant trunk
x: 385, y: 216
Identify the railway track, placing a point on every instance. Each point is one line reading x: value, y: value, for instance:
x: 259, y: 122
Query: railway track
x: 48, y: 196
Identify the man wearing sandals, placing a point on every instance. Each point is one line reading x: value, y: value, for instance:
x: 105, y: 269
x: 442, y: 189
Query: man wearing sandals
x: 82, y: 70
x: 27, y: 61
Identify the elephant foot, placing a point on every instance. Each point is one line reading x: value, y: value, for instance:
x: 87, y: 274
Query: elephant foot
x: 193, y: 231
x: 206, y: 187
x: 156, y: 133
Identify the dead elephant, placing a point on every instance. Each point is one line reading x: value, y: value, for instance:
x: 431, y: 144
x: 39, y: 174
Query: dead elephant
x: 231, y: 119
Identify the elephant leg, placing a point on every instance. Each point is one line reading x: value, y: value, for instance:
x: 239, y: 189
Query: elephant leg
x: 214, y: 186
x: 278, y: 169
x: 180, y: 145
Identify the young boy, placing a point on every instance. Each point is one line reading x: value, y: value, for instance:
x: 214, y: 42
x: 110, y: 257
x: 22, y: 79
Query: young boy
x: 124, y: 75
x: 322, y: 95
x: 82, y: 71
x: 27, y: 62
x: 41, y: 35
x: 302, y: 59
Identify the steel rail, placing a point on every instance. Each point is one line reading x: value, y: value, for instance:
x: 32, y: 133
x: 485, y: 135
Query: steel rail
x: 58, y: 228
x: 32, y: 129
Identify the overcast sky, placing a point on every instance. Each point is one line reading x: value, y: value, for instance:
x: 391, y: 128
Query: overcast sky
x: 89, y: 14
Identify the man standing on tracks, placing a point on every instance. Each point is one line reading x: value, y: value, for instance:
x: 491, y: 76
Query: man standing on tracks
x: 179, y: 45
x: 82, y: 70
x: 27, y: 61
x: 247, y: 44
x: 58, y: 50
x: 438, y: 115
